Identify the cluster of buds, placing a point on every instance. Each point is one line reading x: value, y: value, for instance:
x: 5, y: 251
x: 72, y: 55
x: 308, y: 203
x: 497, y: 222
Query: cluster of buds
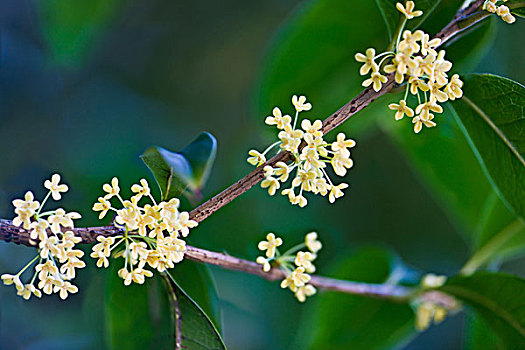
x: 501, y: 10
x: 416, y: 62
x: 431, y: 309
x: 296, y: 264
x: 57, y: 257
x: 152, y: 232
x: 309, y: 161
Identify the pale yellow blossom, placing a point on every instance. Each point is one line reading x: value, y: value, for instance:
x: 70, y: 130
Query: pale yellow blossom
x: 112, y: 190
x: 408, y: 10
x: 401, y: 109
x: 368, y: 61
x: 55, y: 187
x: 278, y: 119
x: 300, y: 103
x: 256, y: 158
x: 270, y: 245
x: 312, y: 243
x: 376, y: 80
x: 264, y: 262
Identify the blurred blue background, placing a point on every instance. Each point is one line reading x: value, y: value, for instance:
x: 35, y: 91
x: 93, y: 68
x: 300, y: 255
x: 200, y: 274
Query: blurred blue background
x: 87, y: 86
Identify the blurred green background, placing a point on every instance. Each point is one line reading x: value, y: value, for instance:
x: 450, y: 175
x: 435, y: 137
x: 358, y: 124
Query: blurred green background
x: 87, y: 86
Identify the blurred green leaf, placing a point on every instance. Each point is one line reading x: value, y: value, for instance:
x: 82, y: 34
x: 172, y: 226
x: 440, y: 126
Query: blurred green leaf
x: 170, y: 170
x: 478, y: 335
x: 392, y: 16
x: 197, y: 280
x: 468, y: 49
x: 137, y: 316
x: 71, y: 28
x: 313, y: 55
x: 192, y: 326
x: 176, y: 171
x: 200, y: 154
x: 497, y: 297
x: 492, y: 116
x: 347, y: 321
x: 520, y: 11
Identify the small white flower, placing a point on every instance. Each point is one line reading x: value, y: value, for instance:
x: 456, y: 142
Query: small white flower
x: 55, y: 187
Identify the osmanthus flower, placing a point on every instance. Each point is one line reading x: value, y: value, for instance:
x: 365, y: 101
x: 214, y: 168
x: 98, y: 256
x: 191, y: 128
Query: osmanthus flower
x: 415, y: 62
x: 64, y: 288
x: 278, y: 119
x: 56, y: 259
x: 376, y: 80
x: 300, y: 103
x: 336, y: 192
x: 151, y: 233
x: 408, y: 10
x: 295, y: 263
x: 311, y: 156
x: 55, y: 187
x: 112, y: 189
x: 264, y: 262
x: 270, y: 245
x: 141, y: 190
x: 401, y: 109
x: 368, y: 61
x: 502, y: 11
x: 305, y: 291
x: 312, y: 243
x: 256, y: 158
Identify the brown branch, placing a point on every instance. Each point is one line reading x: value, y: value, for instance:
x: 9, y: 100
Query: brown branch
x: 14, y: 234
x: 463, y: 20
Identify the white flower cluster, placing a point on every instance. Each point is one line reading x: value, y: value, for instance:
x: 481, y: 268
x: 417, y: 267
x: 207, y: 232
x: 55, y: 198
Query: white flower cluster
x: 309, y: 162
x: 152, y: 232
x: 57, y: 258
x: 501, y: 10
x: 297, y: 266
x: 416, y: 62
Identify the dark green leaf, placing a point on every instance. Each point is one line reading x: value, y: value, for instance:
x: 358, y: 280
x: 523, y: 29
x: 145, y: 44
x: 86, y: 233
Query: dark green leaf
x: 193, y: 329
x: 137, y: 316
x: 353, y: 322
x: 176, y: 171
x: 197, y: 280
x: 469, y: 49
x: 313, y: 55
x: 170, y: 170
x: 498, y: 299
x: 71, y: 28
x: 479, y: 336
x: 392, y: 16
x: 492, y: 116
x: 519, y: 11
x: 200, y: 153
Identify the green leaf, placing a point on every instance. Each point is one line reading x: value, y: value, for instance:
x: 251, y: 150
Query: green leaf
x: 197, y: 280
x: 354, y: 322
x: 313, y: 55
x: 193, y: 329
x: 170, y: 170
x: 392, y: 16
x: 200, y: 154
x: 176, y: 171
x: 71, y: 28
x: 519, y: 11
x: 492, y: 116
x: 137, y: 316
x: 498, y: 299
x: 479, y: 336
